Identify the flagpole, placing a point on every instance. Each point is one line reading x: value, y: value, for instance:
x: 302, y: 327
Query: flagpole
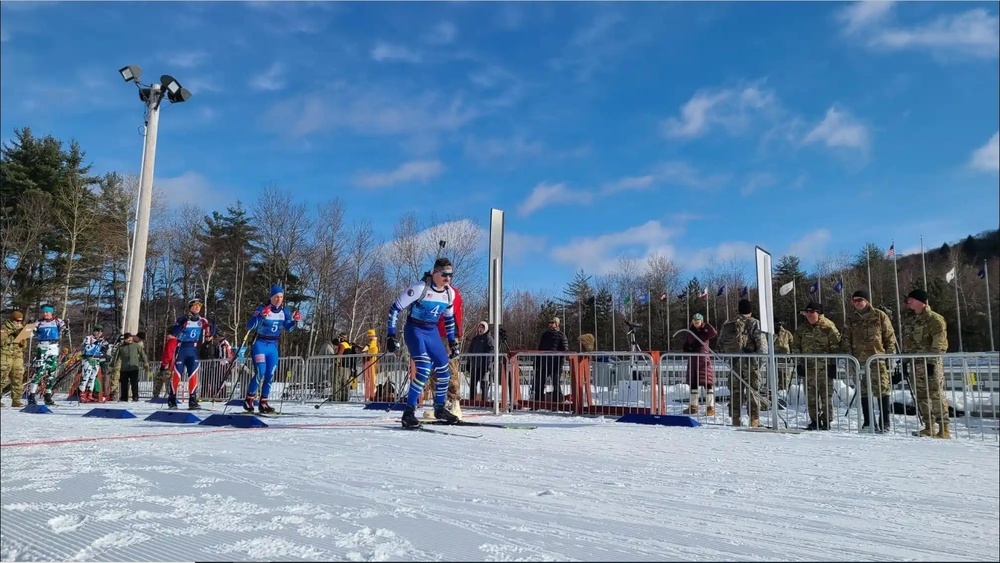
x: 989, y: 304
x: 923, y: 261
x: 868, y: 254
x: 687, y: 300
x: 579, y: 323
x: 649, y: 318
x: 958, y: 311
x: 795, y: 305
x: 843, y: 302
x: 614, y: 335
x: 727, y: 303
x: 595, y: 320
x: 899, y: 312
x: 669, y: 290
x: 708, y: 299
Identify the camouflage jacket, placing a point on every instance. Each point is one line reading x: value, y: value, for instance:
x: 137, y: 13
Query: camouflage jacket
x: 868, y: 332
x: 8, y: 332
x: 783, y: 341
x: 820, y: 338
x: 925, y: 333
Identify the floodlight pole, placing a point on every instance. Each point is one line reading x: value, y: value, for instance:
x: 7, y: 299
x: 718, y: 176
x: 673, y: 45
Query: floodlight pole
x: 137, y: 269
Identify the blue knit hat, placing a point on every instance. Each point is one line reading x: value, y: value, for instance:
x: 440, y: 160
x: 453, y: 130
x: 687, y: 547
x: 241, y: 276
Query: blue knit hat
x: 48, y: 309
x: 276, y: 289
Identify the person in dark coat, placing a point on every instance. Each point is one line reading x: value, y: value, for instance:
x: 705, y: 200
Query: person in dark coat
x: 552, y: 340
x: 479, y: 366
x: 699, y: 369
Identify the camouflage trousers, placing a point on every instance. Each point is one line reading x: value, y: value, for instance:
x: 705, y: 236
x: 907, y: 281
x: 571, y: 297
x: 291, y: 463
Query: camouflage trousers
x: 881, y: 386
x: 12, y: 373
x: 817, y: 389
x: 339, y: 389
x: 90, y: 372
x: 161, y: 380
x: 44, y: 365
x: 928, y: 386
x: 114, y: 378
x: 745, y: 371
x: 454, y: 381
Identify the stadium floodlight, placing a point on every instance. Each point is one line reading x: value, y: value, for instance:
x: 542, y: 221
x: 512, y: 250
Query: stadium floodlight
x: 131, y: 73
x: 175, y: 92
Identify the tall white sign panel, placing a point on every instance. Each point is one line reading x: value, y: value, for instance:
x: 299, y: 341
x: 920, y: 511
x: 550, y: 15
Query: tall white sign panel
x: 765, y: 300
x: 496, y: 298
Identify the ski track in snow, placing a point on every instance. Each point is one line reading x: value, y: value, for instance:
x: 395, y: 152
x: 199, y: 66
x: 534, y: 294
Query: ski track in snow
x: 574, y: 489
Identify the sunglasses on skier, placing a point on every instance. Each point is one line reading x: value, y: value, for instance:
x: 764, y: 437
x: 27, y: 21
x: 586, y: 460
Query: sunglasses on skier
x: 446, y: 274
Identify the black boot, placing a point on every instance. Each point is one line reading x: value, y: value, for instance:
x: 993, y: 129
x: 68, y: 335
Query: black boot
x: 445, y: 415
x: 866, y: 413
x: 31, y: 399
x: 48, y: 400
x: 193, y: 402
x: 886, y: 413
x: 264, y: 407
x: 171, y: 401
x: 409, y: 419
x: 248, y: 403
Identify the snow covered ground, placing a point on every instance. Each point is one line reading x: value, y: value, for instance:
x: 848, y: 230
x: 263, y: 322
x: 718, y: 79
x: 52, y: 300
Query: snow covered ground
x: 341, y: 483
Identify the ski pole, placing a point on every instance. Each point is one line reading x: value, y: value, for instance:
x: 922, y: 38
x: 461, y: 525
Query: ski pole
x: 236, y: 360
x: 352, y: 378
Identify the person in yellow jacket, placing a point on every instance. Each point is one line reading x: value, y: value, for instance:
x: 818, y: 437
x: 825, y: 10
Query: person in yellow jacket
x: 371, y: 364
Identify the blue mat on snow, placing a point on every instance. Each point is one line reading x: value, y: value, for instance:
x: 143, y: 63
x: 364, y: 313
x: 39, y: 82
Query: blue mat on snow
x: 660, y: 420
x: 109, y: 413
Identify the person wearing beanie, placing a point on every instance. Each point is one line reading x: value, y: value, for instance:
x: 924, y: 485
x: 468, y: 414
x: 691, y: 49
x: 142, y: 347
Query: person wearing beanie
x: 926, y: 332
x: 48, y: 332
x: 868, y: 331
x: 190, y: 330
x: 699, y: 368
x: 480, y: 363
x: 268, y: 320
x: 93, y: 351
x: 12, y: 357
x: 741, y: 336
x: 818, y: 335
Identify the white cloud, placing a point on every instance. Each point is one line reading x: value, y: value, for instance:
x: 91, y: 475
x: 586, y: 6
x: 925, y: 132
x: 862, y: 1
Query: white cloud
x: 811, y: 246
x: 441, y: 34
x: 972, y: 33
x: 413, y: 171
x: 598, y: 255
x: 546, y: 194
x: 271, y: 79
x: 486, y: 150
x: 839, y: 129
x: 682, y: 174
x: 756, y: 182
x: 729, y: 108
x: 369, y: 111
x: 185, y: 60
x: 987, y: 157
x: 630, y: 183
x: 385, y: 52
x: 194, y: 188
x: 518, y: 247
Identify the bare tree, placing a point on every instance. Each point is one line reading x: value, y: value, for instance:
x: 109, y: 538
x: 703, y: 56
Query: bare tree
x: 20, y: 235
x: 77, y: 218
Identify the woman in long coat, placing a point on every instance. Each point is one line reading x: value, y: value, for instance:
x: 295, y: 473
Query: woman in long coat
x: 699, y: 370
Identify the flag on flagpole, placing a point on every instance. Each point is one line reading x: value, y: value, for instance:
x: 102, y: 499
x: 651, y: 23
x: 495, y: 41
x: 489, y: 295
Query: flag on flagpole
x: 627, y: 299
x: 839, y: 286
x: 982, y: 273
x: 721, y: 291
x: 892, y: 251
x: 787, y: 288
x: 950, y: 275
x: 814, y: 287
x: 643, y: 298
x: 663, y: 296
x: 745, y: 292
x: 682, y: 294
x: 703, y: 294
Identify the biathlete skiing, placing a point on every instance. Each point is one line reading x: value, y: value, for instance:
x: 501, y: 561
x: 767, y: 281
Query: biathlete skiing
x: 269, y: 319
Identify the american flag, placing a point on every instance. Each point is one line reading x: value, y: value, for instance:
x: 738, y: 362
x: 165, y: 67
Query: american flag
x: 892, y: 251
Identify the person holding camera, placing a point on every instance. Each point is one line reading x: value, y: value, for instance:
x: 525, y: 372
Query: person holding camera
x: 699, y: 370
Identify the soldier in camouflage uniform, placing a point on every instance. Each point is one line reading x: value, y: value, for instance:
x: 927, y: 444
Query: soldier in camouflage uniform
x: 742, y: 335
x: 818, y: 335
x: 868, y: 332
x: 12, y: 358
x: 783, y: 345
x: 925, y: 332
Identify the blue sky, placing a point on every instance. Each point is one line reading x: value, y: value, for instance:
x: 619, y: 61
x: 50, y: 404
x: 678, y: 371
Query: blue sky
x: 695, y: 130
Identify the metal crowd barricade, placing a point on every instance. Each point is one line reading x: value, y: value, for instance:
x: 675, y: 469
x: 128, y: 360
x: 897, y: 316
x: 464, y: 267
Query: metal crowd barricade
x: 685, y: 376
x: 479, y: 385
x: 330, y: 376
x: 969, y: 402
x: 611, y: 383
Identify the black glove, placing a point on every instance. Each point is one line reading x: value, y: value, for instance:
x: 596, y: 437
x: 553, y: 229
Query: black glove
x: 831, y: 369
x: 390, y: 343
x: 454, y: 345
x: 897, y: 373
x: 800, y: 370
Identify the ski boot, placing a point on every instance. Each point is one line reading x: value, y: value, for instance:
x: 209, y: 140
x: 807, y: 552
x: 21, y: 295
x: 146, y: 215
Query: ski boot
x: 172, y: 401
x: 193, y: 403
x: 31, y: 399
x: 248, y: 403
x: 445, y: 415
x: 48, y: 400
x: 409, y: 418
x: 264, y: 407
